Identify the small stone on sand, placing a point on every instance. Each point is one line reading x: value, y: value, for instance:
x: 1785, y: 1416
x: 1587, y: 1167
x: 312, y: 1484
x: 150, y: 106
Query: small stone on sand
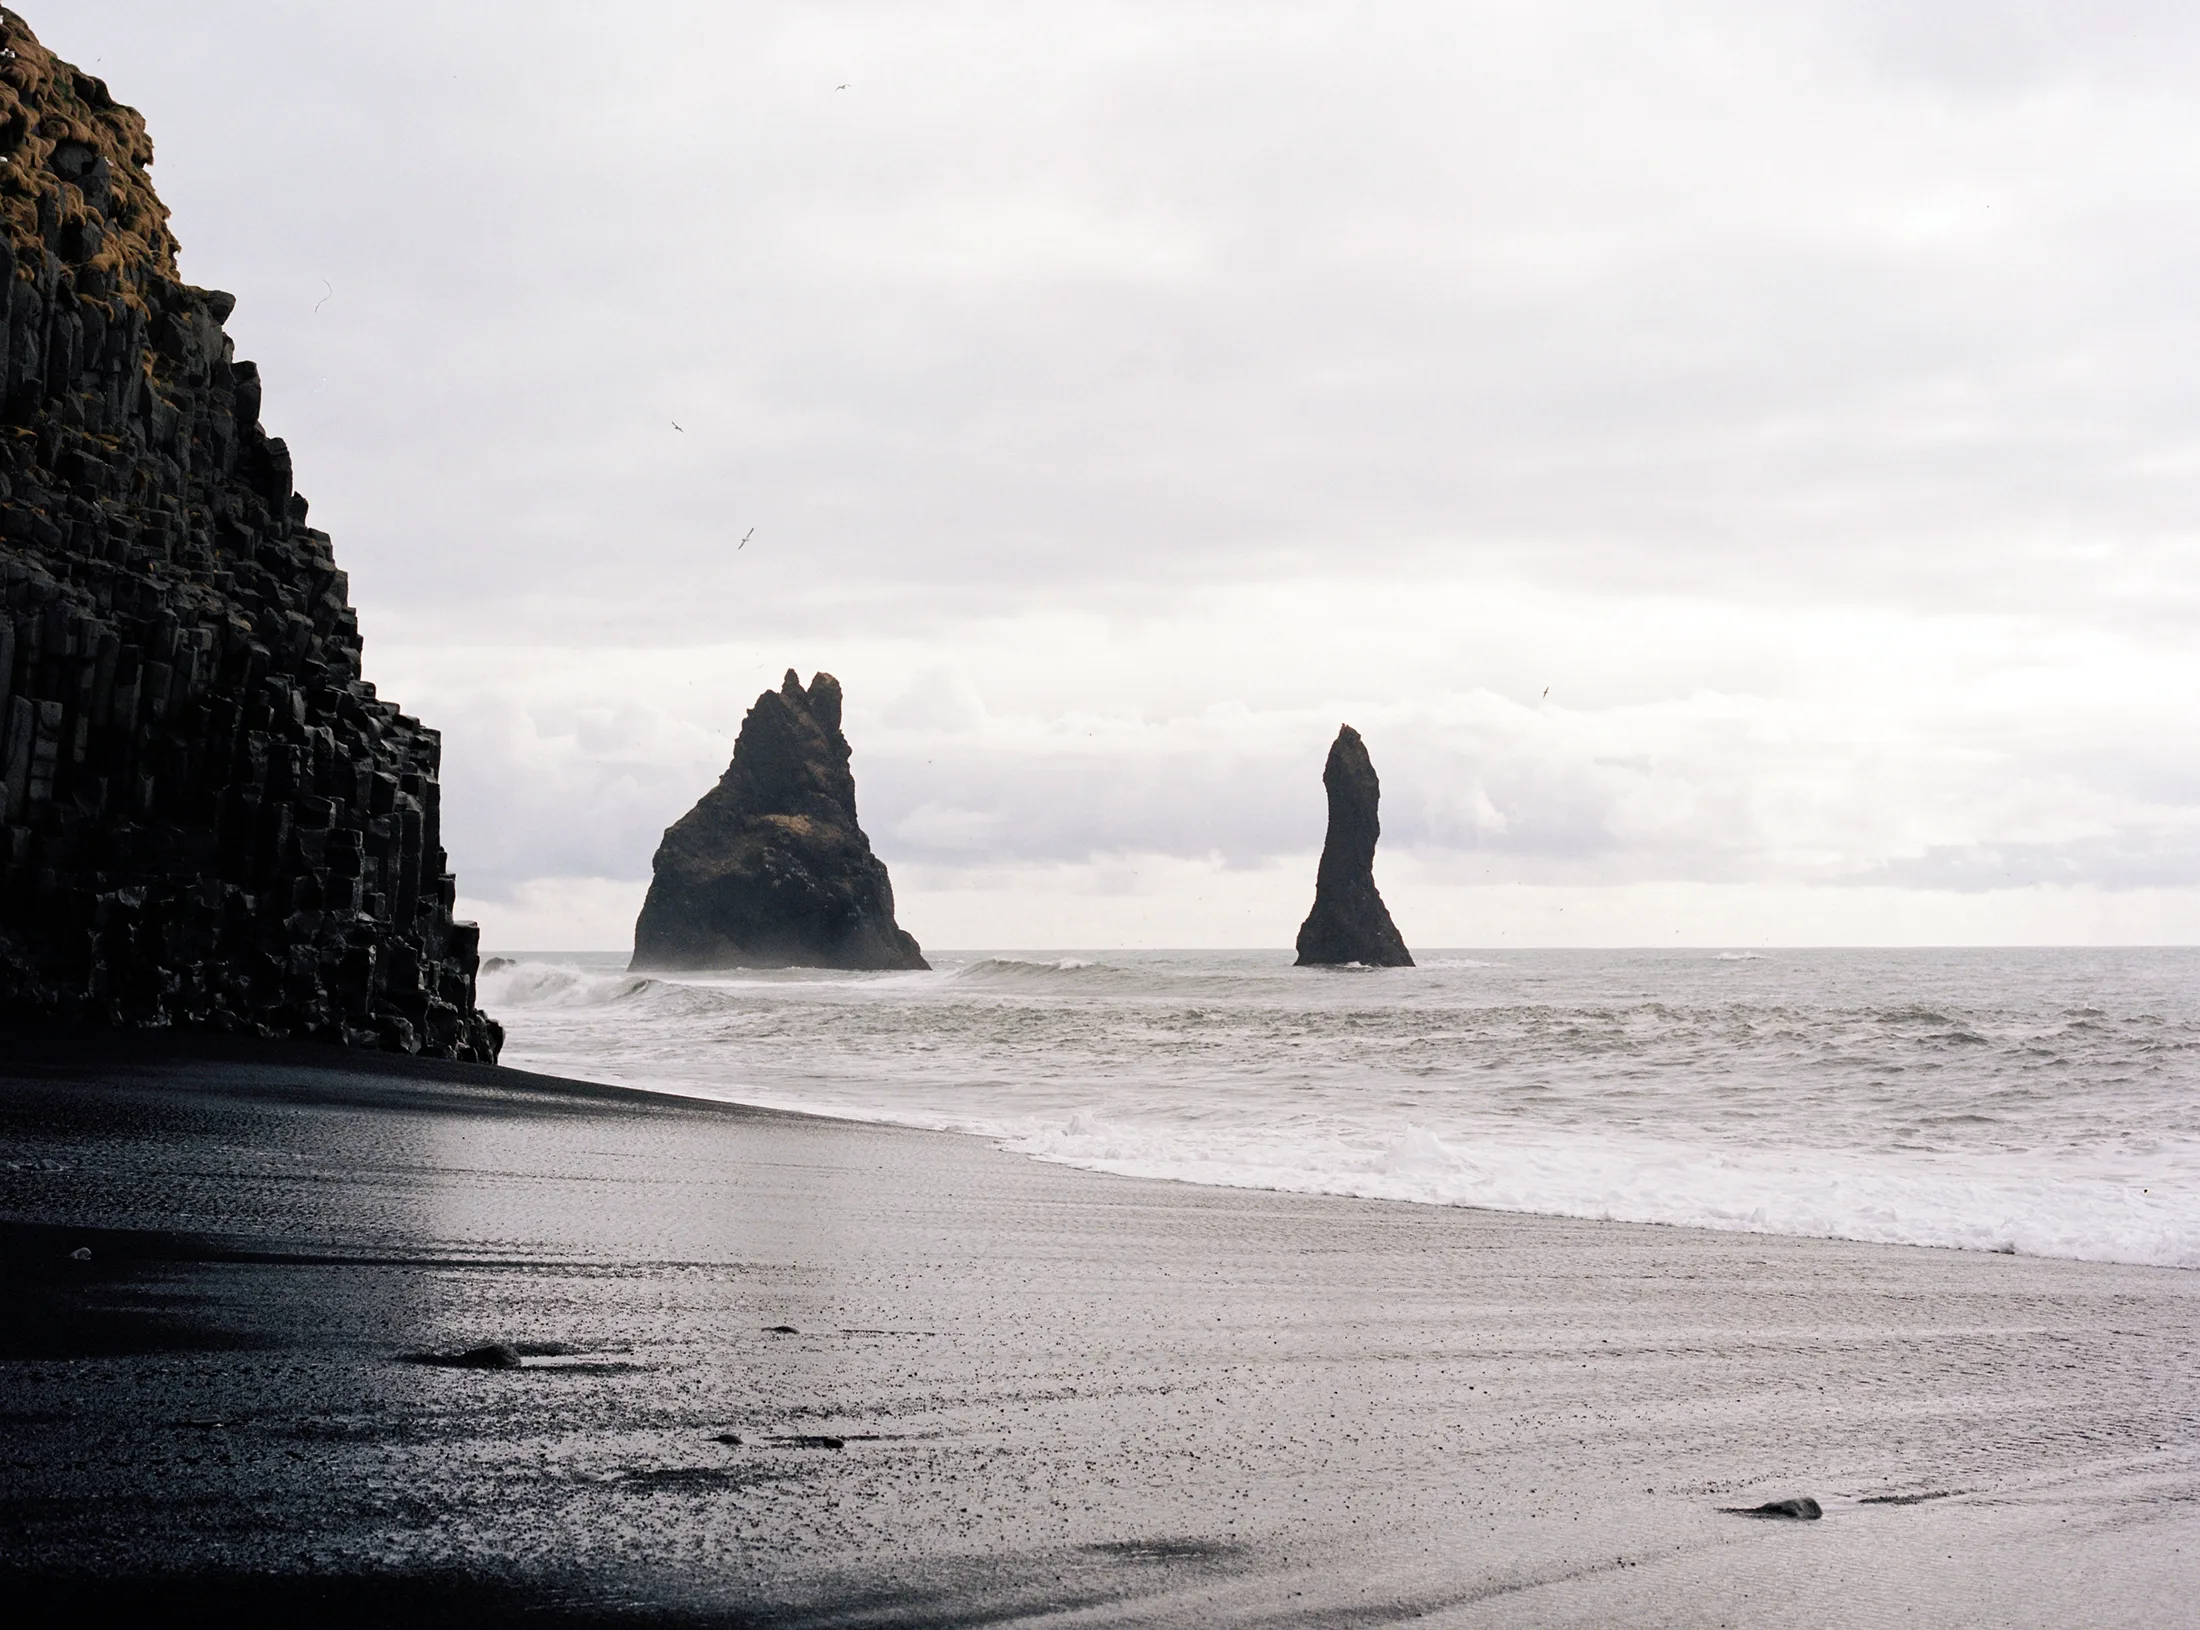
x: 496, y: 1355
x: 1803, y: 1507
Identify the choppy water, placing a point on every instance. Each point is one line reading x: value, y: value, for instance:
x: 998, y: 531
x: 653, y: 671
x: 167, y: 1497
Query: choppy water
x: 2042, y: 1100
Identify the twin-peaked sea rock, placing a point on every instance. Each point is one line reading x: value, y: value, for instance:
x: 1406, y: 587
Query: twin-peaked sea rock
x: 1349, y: 922
x: 770, y: 869
x: 208, y: 819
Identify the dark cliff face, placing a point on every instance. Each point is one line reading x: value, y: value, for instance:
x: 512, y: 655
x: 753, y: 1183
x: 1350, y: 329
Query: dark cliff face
x: 770, y: 869
x: 207, y: 818
x: 1349, y: 922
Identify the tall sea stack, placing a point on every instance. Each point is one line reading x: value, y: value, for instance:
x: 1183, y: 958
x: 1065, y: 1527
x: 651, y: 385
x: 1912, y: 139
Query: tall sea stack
x: 207, y: 818
x: 770, y: 869
x: 1349, y: 922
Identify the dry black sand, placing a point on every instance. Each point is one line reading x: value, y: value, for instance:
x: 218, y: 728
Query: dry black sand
x: 969, y: 1388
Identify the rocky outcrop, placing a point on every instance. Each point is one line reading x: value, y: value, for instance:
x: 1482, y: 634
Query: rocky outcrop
x: 1349, y: 922
x: 770, y: 869
x: 207, y: 817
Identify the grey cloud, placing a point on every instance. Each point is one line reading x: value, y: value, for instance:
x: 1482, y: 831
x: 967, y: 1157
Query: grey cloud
x: 2013, y: 47
x: 2131, y: 858
x: 529, y: 797
x: 1339, y: 279
x: 1112, y: 307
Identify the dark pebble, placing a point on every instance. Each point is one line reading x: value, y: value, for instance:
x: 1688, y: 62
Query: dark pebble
x: 1803, y: 1507
x: 496, y: 1356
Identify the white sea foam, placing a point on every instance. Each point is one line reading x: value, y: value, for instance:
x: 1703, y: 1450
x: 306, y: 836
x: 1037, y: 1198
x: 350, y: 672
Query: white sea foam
x: 2042, y: 1101
x: 535, y: 985
x: 998, y: 968
x: 1780, y: 1191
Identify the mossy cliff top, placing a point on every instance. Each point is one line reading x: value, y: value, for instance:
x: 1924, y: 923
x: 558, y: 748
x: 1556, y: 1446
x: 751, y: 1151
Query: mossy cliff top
x: 207, y: 817
x: 73, y: 165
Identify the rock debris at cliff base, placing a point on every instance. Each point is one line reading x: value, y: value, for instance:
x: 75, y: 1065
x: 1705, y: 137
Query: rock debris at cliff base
x: 207, y: 817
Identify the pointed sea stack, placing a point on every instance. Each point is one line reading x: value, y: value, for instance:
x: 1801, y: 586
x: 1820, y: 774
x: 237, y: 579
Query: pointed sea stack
x: 1349, y: 922
x: 208, y: 820
x: 770, y: 869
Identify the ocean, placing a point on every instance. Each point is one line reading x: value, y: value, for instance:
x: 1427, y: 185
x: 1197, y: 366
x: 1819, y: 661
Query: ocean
x: 2044, y: 1101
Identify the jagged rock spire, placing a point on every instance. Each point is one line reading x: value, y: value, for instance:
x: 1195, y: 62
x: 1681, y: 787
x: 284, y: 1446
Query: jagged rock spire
x: 770, y: 869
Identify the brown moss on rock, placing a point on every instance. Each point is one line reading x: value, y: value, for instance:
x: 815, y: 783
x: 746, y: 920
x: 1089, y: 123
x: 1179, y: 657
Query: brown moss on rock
x: 73, y: 159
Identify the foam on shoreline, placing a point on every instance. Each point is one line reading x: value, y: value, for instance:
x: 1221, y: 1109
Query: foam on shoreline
x: 1911, y: 1116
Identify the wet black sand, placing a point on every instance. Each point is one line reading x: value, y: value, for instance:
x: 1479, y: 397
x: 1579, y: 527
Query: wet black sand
x: 1055, y: 1396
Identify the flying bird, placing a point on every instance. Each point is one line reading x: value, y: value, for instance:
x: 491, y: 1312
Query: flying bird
x: 744, y: 543
x: 676, y: 426
x: 840, y: 87
x: 1546, y: 693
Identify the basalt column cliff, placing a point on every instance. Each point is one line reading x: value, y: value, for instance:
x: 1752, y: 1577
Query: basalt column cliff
x: 1349, y: 922
x: 770, y: 870
x: 207, y: 818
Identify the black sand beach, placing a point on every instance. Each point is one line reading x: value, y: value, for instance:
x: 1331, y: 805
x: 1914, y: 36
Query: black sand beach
x: 969, y: 1388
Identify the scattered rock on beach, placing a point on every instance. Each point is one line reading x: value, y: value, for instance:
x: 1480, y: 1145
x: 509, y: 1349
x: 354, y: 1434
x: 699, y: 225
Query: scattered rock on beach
x: 1907, y: 1499
x: 555, y: 1357
x: 699, y: 1479
x: 811, y: 1440
x: 781, y: 1330
x: 1349, y: 922
x: 1801, y: 1508
x: 770, y: 869
x: 496, y: 1355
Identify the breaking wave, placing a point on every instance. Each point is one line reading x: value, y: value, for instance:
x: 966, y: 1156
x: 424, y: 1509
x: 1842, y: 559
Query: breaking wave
x: 2036, y: 1101
x: 998, y: 970
x: 506, y: 983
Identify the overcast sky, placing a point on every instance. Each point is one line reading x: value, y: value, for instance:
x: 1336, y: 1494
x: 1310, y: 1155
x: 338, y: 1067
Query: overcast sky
x: 1807, y: 396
